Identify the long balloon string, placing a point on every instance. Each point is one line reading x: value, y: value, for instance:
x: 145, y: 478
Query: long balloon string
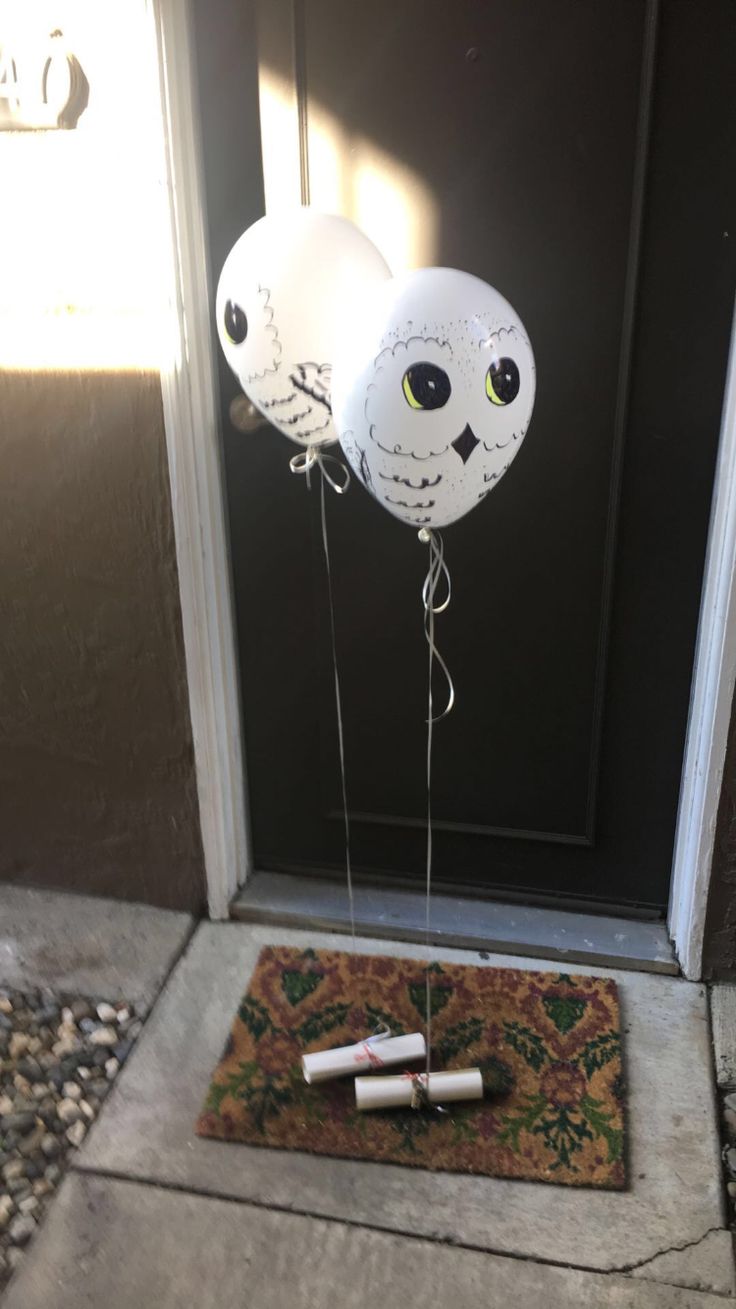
x: 303, y: 463
x: 437, y: 574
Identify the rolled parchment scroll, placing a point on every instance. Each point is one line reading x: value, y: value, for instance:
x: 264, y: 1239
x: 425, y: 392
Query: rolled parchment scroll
x: 368, y: 1056
x: 390, y: 1092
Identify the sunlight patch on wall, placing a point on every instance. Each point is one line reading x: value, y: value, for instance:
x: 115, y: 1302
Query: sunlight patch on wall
x: 83, y: 228
x: 279, y: 140
x: 348, y: 175
x: 394, y: 206
x: 329, y: 171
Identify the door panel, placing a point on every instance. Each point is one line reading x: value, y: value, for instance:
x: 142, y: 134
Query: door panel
x: 585, y: 168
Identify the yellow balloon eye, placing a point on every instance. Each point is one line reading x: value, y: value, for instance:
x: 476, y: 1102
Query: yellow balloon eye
x: 502, y: 382
x: 426, y: 386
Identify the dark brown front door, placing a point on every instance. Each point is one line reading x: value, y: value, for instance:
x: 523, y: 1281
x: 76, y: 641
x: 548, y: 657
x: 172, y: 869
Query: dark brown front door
x: 580, y: 158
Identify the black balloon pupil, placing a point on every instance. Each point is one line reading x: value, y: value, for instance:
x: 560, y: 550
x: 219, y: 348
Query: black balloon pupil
x: 506, y: 382
x: 429, y: 385
x: 236, y: 323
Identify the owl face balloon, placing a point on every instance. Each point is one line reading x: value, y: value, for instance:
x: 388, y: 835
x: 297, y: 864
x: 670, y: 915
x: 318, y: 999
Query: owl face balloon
x: 286, y: 284
x: 433, y: 390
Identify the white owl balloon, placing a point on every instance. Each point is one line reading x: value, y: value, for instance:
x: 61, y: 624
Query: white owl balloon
x: 433, y: 390
x: 284, y: 288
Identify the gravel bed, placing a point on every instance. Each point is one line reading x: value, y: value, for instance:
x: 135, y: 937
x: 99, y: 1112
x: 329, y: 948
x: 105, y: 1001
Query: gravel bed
x: 59, y: 1055
x: 727, y: 1101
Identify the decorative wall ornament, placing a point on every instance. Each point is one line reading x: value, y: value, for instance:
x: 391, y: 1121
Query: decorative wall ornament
x: 43, y: 90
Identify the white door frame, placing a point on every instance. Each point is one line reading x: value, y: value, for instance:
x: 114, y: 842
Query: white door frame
x: 191, y: 413
x: 711, y: 699
x: 192, y: 421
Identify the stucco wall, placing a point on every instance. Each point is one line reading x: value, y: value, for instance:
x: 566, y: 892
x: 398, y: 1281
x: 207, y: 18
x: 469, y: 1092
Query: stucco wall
x: 97, y: 786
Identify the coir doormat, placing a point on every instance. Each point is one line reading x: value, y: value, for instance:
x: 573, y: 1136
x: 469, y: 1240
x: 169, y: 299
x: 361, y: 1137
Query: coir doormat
x: 548, y: 1044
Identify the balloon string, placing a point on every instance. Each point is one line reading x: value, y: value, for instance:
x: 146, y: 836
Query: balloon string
x: 303, y: 463
x: 338, y: 697
x: 437, y: 573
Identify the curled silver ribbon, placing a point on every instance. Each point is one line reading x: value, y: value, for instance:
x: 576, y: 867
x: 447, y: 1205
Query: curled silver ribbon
x: 381, y: 1032
x: 438, y: 574
x: 303, y: 463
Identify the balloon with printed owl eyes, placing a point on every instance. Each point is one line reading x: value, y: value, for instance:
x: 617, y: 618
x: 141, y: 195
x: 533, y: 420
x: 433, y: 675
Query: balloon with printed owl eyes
x: 285, y: 286
x: 432, y: 393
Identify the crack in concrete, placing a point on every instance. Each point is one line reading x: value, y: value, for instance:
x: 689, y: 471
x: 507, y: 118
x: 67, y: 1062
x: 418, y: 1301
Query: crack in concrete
x: 630, y: 1269
x: 81, y: 1170
x: 670, y: 1249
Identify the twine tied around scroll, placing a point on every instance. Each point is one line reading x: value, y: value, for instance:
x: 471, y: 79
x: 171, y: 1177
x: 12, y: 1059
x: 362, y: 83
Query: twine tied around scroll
x: 420, y: 1093
x: 367, y: 1052
x: 302, y: 464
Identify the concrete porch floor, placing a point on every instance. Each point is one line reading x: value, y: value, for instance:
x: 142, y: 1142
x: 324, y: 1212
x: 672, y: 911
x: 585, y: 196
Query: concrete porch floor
x: 152, y: 1215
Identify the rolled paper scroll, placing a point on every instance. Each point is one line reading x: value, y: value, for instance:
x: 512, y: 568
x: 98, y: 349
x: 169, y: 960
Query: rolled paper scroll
x: 367, y: 1056
x: 391, y: 1092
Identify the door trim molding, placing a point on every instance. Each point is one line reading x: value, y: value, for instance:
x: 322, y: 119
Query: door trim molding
x: 192, y: 423
x: 711, y: 702
x: 647, y: 79
x: 197, y: 490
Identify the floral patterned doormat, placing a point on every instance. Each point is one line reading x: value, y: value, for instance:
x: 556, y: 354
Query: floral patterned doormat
x: 548, y: 1044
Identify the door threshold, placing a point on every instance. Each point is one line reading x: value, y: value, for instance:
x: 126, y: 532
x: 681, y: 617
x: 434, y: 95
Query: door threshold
x: 468, y: 924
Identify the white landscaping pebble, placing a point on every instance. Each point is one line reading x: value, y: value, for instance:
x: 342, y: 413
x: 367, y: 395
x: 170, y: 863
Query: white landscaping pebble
x: 18, y: 1044
x: 76, y: 1133
x: 6, y: 1105
x: 111, y: 1069
x: 103, y: 1036
x: 72, y: 1091
x: 50, y: 1146
x: 6, y: 1005
x: 67, y: 1017
x: 6, y: 1209
x: 30, y: 1205
x: 67, y: 1044
x: 84, y: 1072
x: 87, y: 1110
x: 68, y: 1111
x: 107, y: 1013
x: 21, y: 1229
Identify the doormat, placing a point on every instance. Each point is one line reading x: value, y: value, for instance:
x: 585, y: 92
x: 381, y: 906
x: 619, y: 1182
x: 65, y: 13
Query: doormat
x: 548, y: 1045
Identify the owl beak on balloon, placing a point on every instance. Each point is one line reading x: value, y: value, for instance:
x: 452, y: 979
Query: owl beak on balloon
x: 465, y: 443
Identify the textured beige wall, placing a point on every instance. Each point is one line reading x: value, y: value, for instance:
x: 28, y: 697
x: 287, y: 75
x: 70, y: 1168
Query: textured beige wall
x: 97, y: 786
